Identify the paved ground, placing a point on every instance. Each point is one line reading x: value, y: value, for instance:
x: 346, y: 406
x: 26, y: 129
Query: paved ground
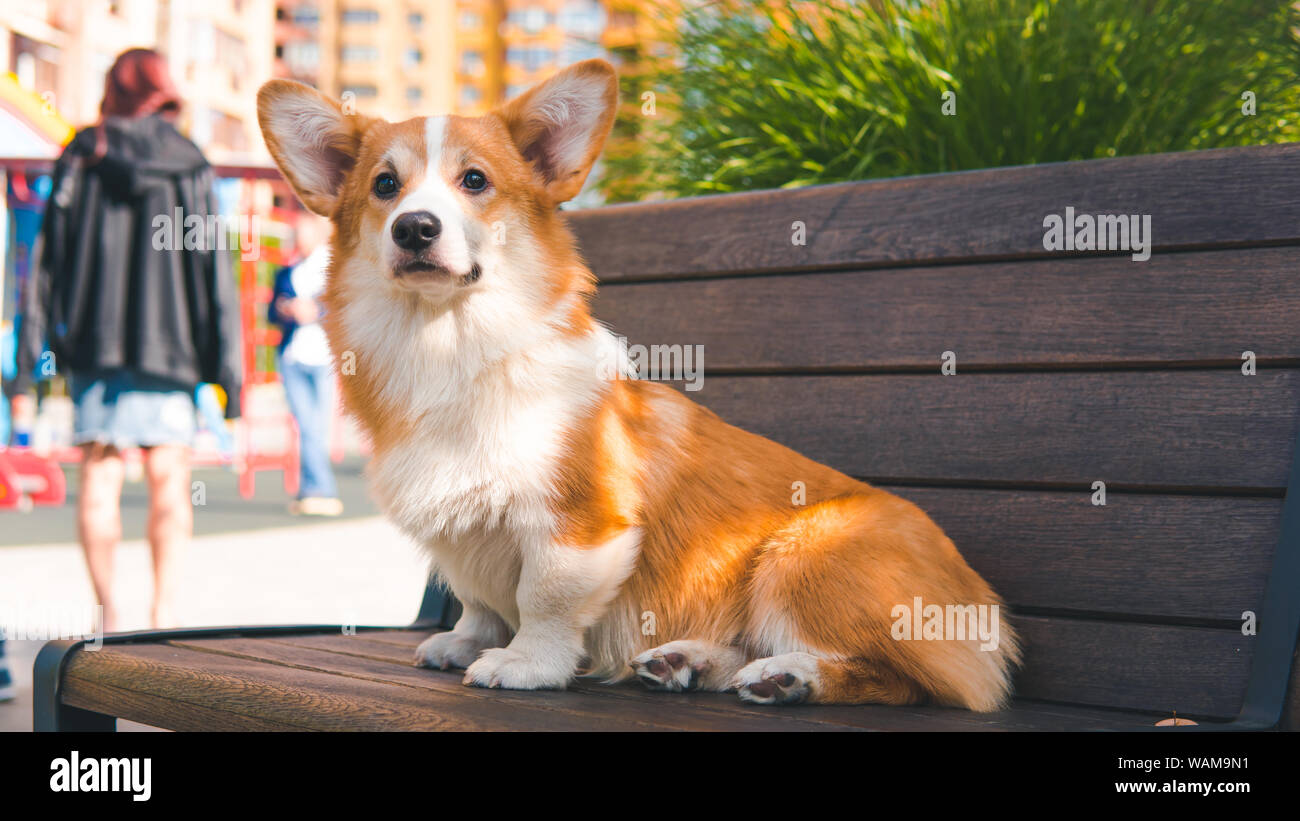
x: 250, y: 563
x: 223, y: 512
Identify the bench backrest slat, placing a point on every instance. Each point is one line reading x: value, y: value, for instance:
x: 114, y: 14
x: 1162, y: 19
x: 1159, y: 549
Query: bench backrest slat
x: 1199, y: 199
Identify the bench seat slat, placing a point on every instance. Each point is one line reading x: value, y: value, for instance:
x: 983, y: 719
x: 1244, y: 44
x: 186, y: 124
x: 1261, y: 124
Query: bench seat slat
x: 365, y: 682
x: 175, y: 678
x: 1187, y: 307
x: 1075, y: 661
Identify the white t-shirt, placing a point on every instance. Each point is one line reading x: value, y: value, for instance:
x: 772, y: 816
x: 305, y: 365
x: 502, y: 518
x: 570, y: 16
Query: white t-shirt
x: 309, y: 346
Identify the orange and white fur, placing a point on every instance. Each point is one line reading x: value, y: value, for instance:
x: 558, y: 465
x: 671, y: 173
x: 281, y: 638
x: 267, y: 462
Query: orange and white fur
x: 568, y: 510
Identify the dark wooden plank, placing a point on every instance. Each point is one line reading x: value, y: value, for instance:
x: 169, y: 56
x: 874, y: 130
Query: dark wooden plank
x: 1236, y: 196
x: 1195, y: 670
x: 156, y: 709
x: 1158, y: 556
x: 176, y: 679
x: 396, y: 648
x: 595, y: 700
x: 636, y: 700
x: 1171, y: 429
x: 1151, y: 667
x: 345, y: 656
x: 1197, y: 307
x: 183, y: 689
x: 1157, y: 668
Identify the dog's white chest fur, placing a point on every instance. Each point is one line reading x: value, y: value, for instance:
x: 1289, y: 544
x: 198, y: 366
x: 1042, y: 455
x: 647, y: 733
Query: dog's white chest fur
x: 474, y: 482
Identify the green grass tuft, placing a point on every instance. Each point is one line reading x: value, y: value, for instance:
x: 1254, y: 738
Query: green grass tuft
x: 786, y: 94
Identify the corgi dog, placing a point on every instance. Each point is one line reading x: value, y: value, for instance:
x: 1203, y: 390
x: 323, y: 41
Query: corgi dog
x: 584, y: 518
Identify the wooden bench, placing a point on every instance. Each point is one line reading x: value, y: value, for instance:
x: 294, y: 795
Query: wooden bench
x: 1071, y: 369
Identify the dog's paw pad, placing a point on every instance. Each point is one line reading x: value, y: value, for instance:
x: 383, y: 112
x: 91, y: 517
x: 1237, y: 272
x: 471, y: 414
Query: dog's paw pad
x: 668, y: 668
x: 785, y: 679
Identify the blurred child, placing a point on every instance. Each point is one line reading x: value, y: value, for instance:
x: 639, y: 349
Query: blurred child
x: 304, y: 360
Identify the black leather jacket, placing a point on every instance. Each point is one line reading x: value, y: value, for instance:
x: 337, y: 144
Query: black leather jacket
x: 104, y: 294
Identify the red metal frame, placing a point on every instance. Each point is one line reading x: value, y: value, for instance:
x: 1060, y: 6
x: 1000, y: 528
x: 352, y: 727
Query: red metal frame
x: 27, y: 479
x: 254, y: 298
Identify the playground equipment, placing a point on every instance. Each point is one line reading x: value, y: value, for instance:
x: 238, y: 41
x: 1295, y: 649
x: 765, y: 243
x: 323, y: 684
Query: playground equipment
x: 27, y: 479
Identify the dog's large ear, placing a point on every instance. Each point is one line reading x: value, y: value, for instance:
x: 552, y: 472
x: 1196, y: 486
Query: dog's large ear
x: 560, y: 126
x: 313, y: 140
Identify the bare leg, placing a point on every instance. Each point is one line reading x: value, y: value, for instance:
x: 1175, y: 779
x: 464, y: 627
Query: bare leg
x: 171, y: 523
x: 99, y: 520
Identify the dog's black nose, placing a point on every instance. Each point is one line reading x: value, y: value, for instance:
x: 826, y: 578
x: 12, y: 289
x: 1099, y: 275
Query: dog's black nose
x: 416, y: 230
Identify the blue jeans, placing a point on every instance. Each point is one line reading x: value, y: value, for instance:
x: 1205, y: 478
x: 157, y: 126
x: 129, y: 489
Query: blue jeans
x: 310, y: 391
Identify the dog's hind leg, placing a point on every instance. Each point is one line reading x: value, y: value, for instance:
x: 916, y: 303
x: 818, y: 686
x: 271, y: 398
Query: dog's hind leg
x: 679, y: 666
x: 832, y: 591
x: 791, y: 678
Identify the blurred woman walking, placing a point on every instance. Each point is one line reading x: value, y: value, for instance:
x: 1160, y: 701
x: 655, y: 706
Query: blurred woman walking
x: 134, y: 320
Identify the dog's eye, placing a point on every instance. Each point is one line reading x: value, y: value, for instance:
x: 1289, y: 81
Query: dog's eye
x: 385, y: 186
x: 474, y: 180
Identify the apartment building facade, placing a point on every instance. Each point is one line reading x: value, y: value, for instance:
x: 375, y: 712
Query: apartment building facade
x: 219, y: 52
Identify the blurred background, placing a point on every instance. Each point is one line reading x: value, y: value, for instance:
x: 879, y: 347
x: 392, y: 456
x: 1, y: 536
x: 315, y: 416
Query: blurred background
x: 717, y: 97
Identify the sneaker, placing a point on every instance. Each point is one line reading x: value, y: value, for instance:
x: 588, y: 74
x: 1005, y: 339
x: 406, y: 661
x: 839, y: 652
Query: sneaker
x: 7, y: 692
x: 316, y: 506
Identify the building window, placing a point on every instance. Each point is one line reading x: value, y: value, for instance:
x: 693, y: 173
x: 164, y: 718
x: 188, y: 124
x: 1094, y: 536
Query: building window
x: 414, y: 94
x: 575, y: 51
x: 306, y: 16
x: 412, y: 57
x: 227, y: 131
x: 302, y: 58
x: 471, y: 62
x: 470, y: 20
x: 361, y: 16
x: 359, y: 54
x: 530, y: 58
x: 415, y: 20
x: 36, y: 64
x: 230, y: 52
x: 470, y: 95
x: 532, y: 19
x: 361, y: 92
x: 582, y: 18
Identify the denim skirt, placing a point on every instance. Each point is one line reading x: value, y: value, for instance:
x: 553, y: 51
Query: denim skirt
x: 126, y: 408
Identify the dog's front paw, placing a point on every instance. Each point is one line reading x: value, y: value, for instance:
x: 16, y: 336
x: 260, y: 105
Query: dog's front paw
x: 512, y: 670
x: 442, y: 651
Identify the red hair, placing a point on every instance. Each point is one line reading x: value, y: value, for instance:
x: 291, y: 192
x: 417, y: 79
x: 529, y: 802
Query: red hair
x: 138, y: 85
